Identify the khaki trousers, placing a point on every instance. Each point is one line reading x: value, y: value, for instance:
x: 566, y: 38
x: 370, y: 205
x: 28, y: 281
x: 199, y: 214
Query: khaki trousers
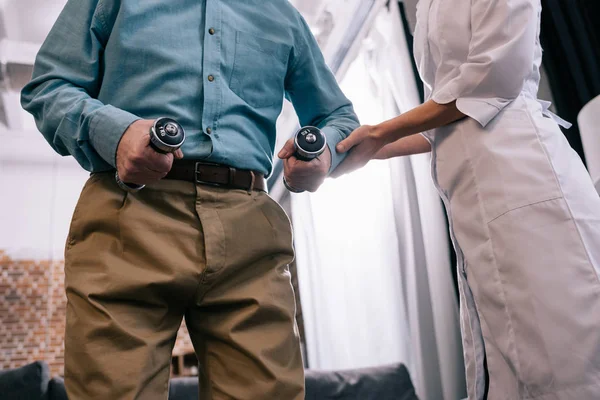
x: 136, y: 264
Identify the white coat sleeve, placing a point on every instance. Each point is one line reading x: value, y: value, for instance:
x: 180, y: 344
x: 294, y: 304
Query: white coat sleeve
x: 501, y: 57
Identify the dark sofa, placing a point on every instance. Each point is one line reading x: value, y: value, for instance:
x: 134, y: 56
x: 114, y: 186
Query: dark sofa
x: 33, y: 382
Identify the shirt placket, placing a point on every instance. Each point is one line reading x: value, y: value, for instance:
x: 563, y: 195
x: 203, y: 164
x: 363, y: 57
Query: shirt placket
x: 212, y: 69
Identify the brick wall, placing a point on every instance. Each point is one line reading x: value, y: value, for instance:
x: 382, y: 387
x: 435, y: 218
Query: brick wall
x: 26, y: 308
x: 32, y: 314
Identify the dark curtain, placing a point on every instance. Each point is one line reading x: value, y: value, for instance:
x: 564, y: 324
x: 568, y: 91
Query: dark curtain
x: 410, y: 40
x: 570, y: 35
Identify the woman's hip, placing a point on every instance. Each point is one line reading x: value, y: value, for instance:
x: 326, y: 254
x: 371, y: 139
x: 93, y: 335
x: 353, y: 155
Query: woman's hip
x: 520, y: 158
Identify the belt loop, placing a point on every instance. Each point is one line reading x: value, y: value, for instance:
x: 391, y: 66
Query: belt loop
x: 231, y: 176
x: 252, y: 182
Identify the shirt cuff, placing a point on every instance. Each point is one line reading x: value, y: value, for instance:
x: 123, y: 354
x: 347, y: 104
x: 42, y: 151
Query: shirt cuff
x: 333, y: 138
x: 106, y: 129
x: 480, y: 109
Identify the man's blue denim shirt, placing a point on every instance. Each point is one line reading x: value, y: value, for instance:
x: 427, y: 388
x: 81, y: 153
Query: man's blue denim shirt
x: 220, y: 67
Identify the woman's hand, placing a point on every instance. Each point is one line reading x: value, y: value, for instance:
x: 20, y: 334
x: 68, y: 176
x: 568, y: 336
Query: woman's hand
x: 365, y: 143
x: 302, y: 175
x: 369, y: 142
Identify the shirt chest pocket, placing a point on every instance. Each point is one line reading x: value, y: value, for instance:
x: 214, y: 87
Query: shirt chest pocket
x: 259, y: 70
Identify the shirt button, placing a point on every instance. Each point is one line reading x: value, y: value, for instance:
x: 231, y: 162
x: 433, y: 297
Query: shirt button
x: 211, y: 31
x: 211, y: 78
x: 208, y: 130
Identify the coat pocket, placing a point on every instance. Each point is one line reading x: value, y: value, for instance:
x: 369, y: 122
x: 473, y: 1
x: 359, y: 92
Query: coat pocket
x: 511, y: 166
x: 551, y: 296
x: 96, y: 208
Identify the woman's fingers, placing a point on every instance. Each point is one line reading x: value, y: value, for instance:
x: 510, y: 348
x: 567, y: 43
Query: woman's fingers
x: 354, y: 139
x: 347, y: 144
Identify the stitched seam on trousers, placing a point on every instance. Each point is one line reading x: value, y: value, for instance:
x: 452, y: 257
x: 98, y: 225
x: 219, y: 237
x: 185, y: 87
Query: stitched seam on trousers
x: 126, y: 199
x: 274, y: 229
x: 587, y: 253
x: 524, y: 206
x: 219, y: 265
x: 502, y: 283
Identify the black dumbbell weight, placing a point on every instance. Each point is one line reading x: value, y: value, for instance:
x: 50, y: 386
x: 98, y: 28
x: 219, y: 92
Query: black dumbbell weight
x: 310, y: 143
x: 166, y: 136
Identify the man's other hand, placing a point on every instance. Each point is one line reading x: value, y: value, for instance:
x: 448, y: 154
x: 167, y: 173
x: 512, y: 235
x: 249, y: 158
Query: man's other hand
x: 137, y: 162
x: 302, y: 175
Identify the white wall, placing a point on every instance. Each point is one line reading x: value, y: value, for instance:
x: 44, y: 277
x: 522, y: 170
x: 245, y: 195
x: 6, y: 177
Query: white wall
x: 29, y: 20
x: 36, y: 204
x: 38, y: 188
x: 38, y: 192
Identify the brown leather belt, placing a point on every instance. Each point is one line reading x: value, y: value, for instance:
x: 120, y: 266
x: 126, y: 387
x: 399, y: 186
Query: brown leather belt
x: 217, y: 175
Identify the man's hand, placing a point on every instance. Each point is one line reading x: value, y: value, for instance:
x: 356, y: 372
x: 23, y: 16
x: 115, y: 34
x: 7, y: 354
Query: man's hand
x: 304, y: 175
x: 137, y: 162
x: 364, y: 143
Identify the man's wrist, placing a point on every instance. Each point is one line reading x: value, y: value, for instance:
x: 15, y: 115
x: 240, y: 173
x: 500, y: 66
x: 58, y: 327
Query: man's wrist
x: 291, y: 188
x: 333, y: 136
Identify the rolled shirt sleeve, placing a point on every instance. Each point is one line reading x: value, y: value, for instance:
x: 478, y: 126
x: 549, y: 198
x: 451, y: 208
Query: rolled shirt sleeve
x: 317, y: 98
x: 66, y: 81
x: 501, y: 56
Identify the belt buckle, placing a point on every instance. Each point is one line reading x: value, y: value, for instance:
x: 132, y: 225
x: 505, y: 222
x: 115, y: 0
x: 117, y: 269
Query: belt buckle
x: 197, y: 172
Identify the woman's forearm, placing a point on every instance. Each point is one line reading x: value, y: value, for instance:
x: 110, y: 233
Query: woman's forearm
x: 429, y: 115
x: 396, y: 137
x: 409, y: 145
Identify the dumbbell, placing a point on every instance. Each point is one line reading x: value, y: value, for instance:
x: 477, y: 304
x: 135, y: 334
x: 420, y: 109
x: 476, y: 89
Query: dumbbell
x: 166, y: 136
x: 310, y: 143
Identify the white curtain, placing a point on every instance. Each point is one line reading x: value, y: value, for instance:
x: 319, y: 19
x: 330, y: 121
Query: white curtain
x: 372, y: 249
